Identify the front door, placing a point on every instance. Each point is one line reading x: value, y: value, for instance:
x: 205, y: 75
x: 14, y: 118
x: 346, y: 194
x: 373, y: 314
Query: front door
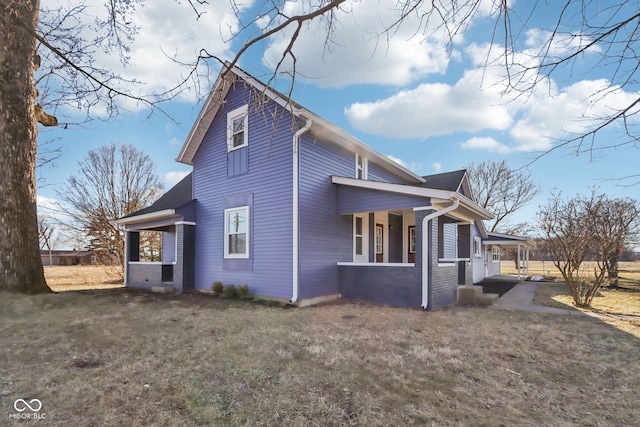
x: 379, y: 243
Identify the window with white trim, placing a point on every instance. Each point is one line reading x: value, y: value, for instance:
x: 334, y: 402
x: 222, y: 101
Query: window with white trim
x: 477, y: 247
x: 236, y: 232
x: 361, y: 167
x: 360, y: 238
x: 412, y: 239
x: 237, y: 124
x: 495, y: 253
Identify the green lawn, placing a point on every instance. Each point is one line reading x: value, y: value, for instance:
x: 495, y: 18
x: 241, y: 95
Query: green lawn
x: 118, y: 357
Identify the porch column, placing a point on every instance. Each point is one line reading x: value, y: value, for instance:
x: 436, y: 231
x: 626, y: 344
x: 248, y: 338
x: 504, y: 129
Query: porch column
x: 519, y: 261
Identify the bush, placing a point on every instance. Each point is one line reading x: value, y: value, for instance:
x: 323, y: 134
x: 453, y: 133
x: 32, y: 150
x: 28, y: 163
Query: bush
x: 230, y: 292
x: 217, y: 288
x: 243, y: 291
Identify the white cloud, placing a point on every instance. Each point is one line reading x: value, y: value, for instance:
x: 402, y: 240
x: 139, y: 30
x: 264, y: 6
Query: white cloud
x: 174, y: 177
x: 174, y: 141
x: 412, y: 166
x: 170, y: 32
x: 359, y: 51
x: 487, y: 144
x: 478, y: 102
x: 431, y: 109
x: 436, y: 166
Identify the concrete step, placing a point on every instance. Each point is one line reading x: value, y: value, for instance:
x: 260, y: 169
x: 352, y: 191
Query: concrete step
x: 162, y: 289
x: 468, y: 294
x: 487, y: 299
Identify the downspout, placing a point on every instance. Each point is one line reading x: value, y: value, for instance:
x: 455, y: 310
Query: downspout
x: 425, y: 246
x: 296, y: 208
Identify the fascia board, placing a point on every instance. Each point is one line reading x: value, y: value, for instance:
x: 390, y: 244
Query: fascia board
x: 167, y: 213
x: 435, y: 195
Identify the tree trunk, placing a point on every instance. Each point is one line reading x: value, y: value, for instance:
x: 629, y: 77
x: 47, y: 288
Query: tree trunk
x: 612, y: 269
x: 20, y: 263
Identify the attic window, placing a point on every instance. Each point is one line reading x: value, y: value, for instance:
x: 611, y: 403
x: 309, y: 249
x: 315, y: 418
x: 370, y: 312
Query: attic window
x: 361, y: 167
x: 237, y: 136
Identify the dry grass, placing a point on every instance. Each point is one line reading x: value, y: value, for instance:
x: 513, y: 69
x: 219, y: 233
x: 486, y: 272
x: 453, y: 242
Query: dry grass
x: 82, y: 277
x: 119, y: 357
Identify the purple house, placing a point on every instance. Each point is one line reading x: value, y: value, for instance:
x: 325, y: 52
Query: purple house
x: 299, y: 210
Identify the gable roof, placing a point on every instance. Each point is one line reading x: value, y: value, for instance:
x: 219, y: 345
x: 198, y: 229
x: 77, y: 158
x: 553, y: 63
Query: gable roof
x: 449, y: 181
x: 179, y: 195
x: 320, y: 127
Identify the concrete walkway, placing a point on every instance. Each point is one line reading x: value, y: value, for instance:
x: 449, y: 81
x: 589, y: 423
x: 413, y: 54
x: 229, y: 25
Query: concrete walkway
x: 520, y: 297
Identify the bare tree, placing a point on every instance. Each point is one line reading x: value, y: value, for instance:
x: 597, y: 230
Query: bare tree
x: 616, y: 223
x: 585, y: 228
x: 565, y: 226
x: 45, y: 235
x: 112, y: 182
x: 502, y: 191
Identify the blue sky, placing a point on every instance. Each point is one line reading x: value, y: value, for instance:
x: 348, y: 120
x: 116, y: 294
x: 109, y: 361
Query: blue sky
x: 431, y: 108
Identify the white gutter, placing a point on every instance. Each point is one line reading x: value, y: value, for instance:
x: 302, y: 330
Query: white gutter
x: 296, y: 208
x: 425, y: 246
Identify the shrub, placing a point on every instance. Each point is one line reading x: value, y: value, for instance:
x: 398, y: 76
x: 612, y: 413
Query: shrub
x: 230, y: 292
x: 217, y: 288
x: 243, y: 291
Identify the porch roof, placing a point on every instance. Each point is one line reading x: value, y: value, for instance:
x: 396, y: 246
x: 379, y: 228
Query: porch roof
x: 508, y: 240
x: 437, y: 198
x: 165, y: 207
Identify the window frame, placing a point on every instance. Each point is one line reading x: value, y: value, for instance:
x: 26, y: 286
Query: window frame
x: 240, y: 112
x: 247, y: 232
x: 362, y: 167
x: 363, y: 236
x: 477, y: 247
x: 495, y: 254
x: 412, y: 239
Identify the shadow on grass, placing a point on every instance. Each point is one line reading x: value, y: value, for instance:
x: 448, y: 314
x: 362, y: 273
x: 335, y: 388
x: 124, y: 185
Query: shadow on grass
x: 547, y: 293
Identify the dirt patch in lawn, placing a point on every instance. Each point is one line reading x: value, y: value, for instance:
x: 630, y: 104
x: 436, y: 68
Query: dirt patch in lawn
x: 122, y: 357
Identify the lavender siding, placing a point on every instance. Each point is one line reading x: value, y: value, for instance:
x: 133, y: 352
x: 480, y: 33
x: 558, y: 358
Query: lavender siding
x: 325, y: 236
x: 188, y: 211
x: 378, y: 173
x: 237, y: 162
x: 269, y: 181
x: 351, y: 200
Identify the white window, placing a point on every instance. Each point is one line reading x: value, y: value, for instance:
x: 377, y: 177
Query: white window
x: 236, y: 232
x: 412, y: 239
x: 361, y: 167
x: 360, y: 238
x: 379, y: 239
x: 450, y: 240
x: 477, y: 247
x: 495, y: 253
x: 237, y: 135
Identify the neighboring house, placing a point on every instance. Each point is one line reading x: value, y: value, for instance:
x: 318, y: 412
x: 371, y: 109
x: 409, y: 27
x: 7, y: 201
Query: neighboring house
x: 67, y: 257
x: 298, y: 209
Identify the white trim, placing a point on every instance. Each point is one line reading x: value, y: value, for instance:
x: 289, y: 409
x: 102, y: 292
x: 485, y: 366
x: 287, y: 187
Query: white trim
x: 364, y: 167
x: 145, y: 217
x: 247, y: 253
x: 148, y: 262
x: 185, y: 223
x: 295, y: 292
x: 477, y: 247
x: 377, y: 264
x: 364, y: 256
x: 231, y: 116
